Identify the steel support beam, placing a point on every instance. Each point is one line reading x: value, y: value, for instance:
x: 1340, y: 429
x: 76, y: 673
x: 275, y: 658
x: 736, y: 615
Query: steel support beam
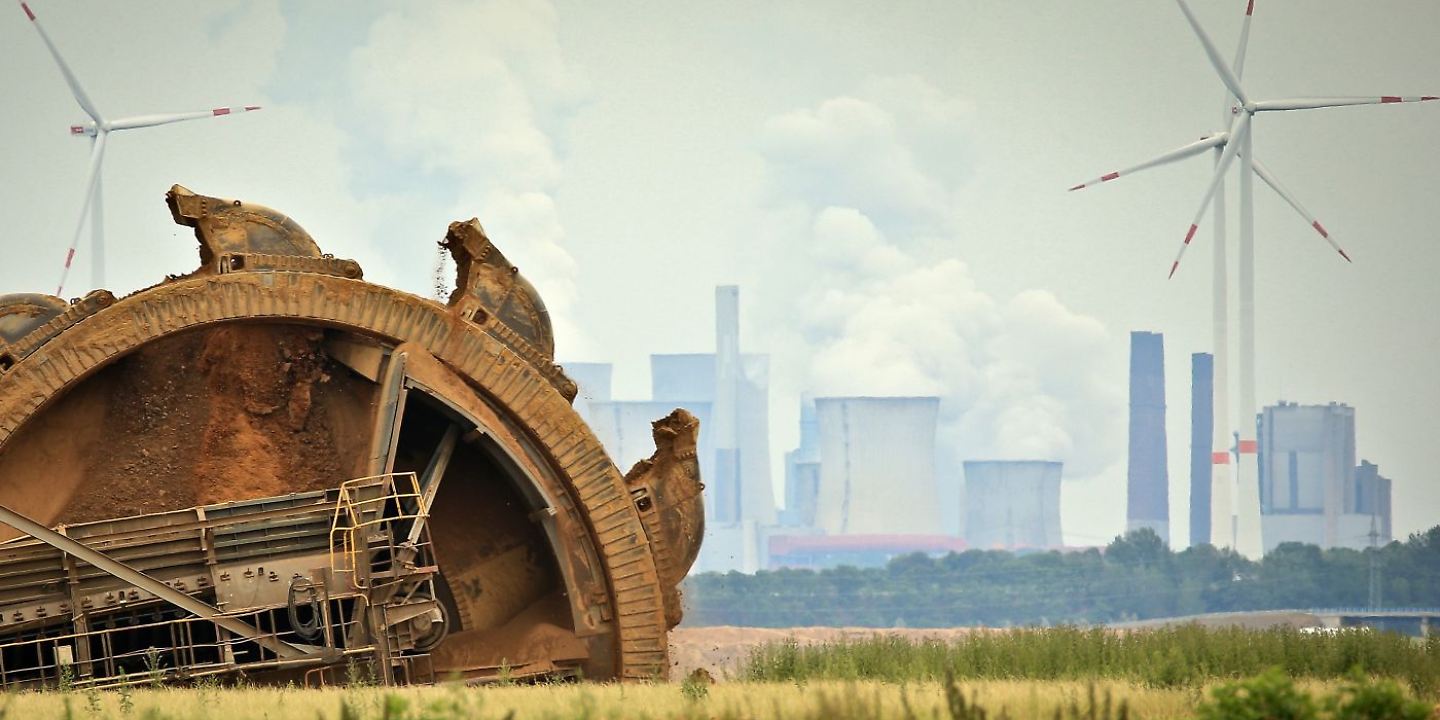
x: 388, y: 415
x: 140, y: 580
x: 430, y: 481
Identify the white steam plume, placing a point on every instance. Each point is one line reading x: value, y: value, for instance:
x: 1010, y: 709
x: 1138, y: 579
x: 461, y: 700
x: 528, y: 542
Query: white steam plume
x: 880, y: 311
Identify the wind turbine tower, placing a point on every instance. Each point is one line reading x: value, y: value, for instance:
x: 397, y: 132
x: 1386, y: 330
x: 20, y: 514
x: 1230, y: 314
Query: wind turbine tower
x: 98, y: 129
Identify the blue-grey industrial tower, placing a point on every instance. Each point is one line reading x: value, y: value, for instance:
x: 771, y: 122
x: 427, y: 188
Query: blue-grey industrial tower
x: 1148, y: 481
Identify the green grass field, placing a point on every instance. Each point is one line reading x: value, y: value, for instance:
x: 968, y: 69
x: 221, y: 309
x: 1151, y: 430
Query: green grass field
x: 1168, y: 657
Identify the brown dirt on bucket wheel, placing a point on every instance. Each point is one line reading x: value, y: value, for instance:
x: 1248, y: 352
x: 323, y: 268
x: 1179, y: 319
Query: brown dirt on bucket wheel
x: 230, y: 413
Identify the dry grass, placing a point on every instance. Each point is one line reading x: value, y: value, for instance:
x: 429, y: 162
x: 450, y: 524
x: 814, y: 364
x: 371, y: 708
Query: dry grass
x: 831, y: 700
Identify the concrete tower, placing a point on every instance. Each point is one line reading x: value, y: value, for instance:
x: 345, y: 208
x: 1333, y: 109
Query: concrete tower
x: 726, y: 409
x: 1202, y: 419
x: 877, y: 465
x: 735, y: 386
x: 1148, y: 496
x: 1012, y: 504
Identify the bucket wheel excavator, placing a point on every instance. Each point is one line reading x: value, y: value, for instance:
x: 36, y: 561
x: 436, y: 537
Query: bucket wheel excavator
x: 271, y: 467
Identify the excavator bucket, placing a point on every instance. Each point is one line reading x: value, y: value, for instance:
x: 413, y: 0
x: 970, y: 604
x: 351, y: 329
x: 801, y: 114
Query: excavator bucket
x: 270, y: 466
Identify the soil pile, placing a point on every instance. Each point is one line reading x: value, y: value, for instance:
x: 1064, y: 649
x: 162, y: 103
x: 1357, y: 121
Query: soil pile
x: 231, y: 413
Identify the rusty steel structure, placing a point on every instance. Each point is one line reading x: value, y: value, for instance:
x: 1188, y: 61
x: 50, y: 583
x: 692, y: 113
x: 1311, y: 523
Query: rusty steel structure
x: 270, y: 466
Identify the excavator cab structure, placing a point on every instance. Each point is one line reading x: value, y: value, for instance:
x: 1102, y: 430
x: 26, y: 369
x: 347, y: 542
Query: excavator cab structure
x: 271, y: 467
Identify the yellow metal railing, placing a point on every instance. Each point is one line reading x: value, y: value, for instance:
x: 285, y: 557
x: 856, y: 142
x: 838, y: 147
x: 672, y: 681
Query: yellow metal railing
x: 370, y: 510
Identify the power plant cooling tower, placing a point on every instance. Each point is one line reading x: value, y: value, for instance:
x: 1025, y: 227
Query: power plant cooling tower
x: 877, y: 465
x: 1148, y: 479
x: 1202, y: 423
x: 1012, y: 504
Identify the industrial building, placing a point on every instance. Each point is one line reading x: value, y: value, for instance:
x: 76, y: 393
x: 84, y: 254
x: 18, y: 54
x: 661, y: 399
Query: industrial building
x: 1012, y: 504
x: 1310, y: 490
x: 1202, y: 423
x: 1147, y: 477
x: 877, y: 464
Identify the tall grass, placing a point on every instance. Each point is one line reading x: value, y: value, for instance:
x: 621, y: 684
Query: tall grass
x: 1171, y: 657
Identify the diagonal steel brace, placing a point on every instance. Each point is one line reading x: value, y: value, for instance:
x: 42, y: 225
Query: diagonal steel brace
x: 140, y: 580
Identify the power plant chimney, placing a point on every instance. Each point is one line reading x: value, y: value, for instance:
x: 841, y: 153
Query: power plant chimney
x: 729, y: 505
x: 1202, y: 419
x: 1148, y: 480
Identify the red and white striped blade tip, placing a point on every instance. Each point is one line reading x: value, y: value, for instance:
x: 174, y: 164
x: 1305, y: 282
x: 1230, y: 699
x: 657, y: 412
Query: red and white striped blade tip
x: 1386, y: 99
x: 1107, y: 177
x: 228, y: 110
x: 1250, y: 9
x: 77, y: 129
x: 28, y: 12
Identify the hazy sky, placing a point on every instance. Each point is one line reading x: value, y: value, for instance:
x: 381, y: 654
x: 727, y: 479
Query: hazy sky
x: 885, y: 181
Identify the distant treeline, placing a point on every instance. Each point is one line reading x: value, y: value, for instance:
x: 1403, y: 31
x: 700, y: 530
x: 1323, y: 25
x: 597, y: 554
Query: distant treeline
x: 1136, y: 577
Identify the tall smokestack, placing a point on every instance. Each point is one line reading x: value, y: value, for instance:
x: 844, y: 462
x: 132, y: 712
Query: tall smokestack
x: 1148, y: 480
x: 1202, y: 419
x: 726, y: 409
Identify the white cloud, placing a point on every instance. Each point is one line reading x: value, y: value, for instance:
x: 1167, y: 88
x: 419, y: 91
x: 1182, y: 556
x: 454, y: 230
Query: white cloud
x: 479, y: 95
x: 1019, y: 378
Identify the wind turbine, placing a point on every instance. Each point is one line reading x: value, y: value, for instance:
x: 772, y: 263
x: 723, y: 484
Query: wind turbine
x: 98, y: 130
x: 1244, y: 534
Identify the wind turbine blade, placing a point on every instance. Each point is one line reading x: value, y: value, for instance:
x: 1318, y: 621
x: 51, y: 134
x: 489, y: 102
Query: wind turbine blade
x: 1195, y: 148
x: 79, y: 92
x: 1237, y: 132
x: 140, y: 121
x: 1239, y: 64
x: 1226, y: 76
x: 1327, y: 102
x: 97, y: 154
x: 1284, y: 192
